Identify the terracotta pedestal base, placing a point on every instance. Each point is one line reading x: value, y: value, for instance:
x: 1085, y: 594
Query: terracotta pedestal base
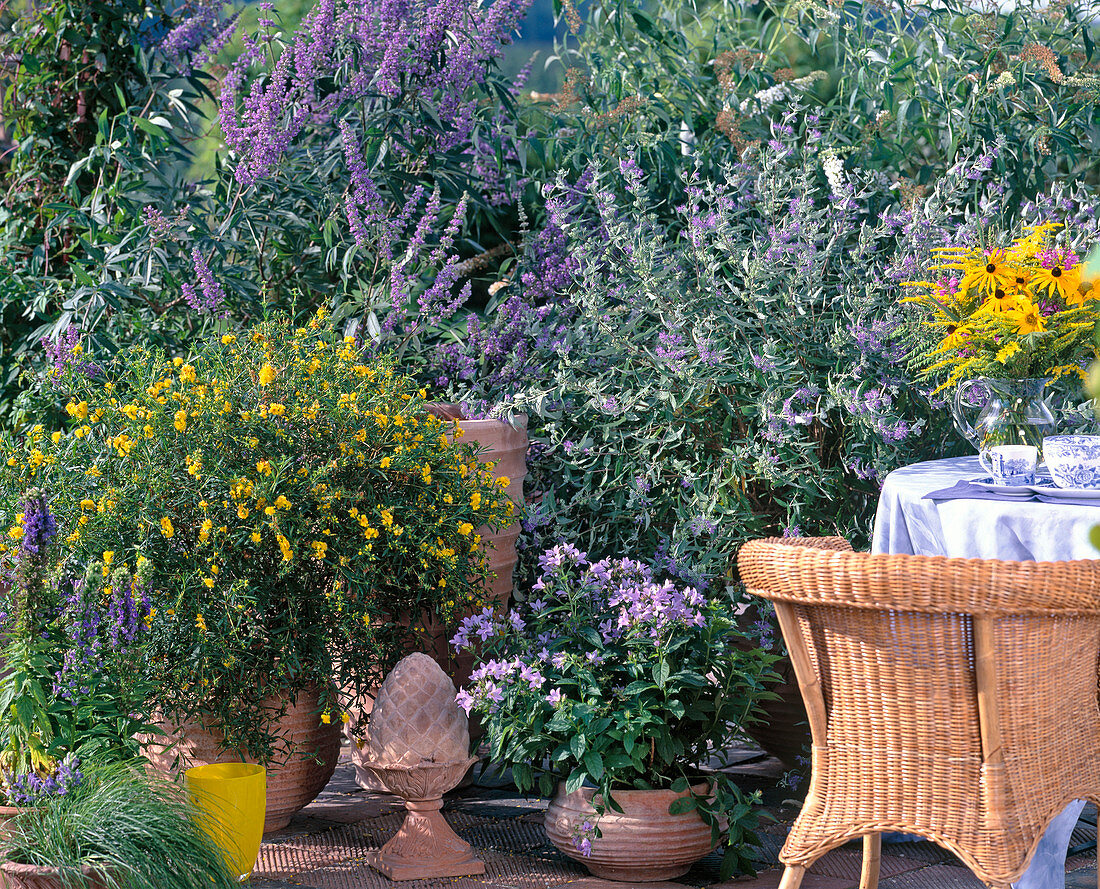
x: 425, y: 847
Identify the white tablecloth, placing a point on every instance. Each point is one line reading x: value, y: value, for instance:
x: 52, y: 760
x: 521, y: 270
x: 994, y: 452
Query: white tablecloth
x: 987, y: 529
x: 976, y: 529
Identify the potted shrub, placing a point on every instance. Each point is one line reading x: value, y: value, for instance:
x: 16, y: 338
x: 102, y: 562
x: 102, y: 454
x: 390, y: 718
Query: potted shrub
x: 299, y: 512
x: 109, y: 827
x: 70, y: 635
x: 617, y: 689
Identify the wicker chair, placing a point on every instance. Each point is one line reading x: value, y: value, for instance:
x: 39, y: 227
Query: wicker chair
x: 951, y: 698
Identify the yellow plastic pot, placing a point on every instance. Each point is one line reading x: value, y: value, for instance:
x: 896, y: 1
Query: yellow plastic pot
x: 231, y: 798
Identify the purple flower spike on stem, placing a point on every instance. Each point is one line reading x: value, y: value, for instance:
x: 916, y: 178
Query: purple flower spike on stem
x: 39, y: 526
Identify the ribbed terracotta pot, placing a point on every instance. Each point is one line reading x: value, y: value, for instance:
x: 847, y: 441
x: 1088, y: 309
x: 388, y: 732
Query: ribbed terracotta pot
x: 303, y: 764
x: 7, y: 813
x: 642, y: 844
x: 31, y: 876
x: 505, y: 445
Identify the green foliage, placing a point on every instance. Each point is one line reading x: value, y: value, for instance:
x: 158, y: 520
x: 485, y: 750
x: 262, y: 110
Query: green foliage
x: 119, y: 829
x: 295, y: 510
x: 99, y: 127
x: 906, y: 89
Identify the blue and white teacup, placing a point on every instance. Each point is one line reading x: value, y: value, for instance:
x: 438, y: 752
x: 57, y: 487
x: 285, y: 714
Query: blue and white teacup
x: 1013, y: 464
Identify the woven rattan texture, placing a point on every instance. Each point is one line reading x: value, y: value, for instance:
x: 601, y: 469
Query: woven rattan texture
x: 947, y: 702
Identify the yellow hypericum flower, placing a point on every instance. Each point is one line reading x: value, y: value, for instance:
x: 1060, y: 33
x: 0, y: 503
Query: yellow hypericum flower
x: 242, y: 511
x: 200, y: 621
x: 263, y: 467
x: 284, y: 546
x: 204, y: 530
x: 475, y: 501
x: 166, y: 527
x: 276, y: 409
x: 180, y: 421
x: 385, y: 463
x: 87, y: 504
x: 77, y: 410
x: 281, y: 502
x: 465, y: 528
x: 319, y: 548
x: 255, y: 536
x: 228, y: 339
x: 176, y: 362
x: 269, y: 510
x: 326, y: 718
x: 267, y: 375
x: 108, y: 556
x: 209, y: 581
x: 187, y: 374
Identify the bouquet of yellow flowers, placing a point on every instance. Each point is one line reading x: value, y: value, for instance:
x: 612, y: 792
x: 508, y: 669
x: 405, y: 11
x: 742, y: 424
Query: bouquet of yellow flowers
x: 1021, y: 312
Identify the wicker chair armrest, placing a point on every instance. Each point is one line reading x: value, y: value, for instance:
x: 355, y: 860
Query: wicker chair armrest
x: 803, y: 573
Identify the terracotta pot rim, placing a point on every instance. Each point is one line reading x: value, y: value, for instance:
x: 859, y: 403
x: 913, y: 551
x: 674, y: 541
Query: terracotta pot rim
x: 449, y: 411
x: 632, y: 792
x: 18, y: 869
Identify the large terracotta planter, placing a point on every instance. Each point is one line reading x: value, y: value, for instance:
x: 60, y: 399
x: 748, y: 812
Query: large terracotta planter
x: 31, y: 876
x: 642, y: 844
x: 303, y: 764
x: 7, y: 813
x: 505, y: 445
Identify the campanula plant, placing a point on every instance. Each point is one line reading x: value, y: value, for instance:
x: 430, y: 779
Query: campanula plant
x: 610, y: 675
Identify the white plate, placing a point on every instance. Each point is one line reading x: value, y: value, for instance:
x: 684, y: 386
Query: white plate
x: 1049, y: 489
x: 986, y: 483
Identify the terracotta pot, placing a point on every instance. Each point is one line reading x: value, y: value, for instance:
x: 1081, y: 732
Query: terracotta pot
x: 506, y: 446
x: 643, y: 844
x: 32, y: 876
x: 7, y: 813
x: 303, y: 763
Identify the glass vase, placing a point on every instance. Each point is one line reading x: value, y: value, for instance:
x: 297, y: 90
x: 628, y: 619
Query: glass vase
x: 1004, y: 411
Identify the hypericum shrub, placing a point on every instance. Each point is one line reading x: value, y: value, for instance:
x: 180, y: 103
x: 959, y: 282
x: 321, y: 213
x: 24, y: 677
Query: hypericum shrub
x: 296, y: 510
x: 613, y: 676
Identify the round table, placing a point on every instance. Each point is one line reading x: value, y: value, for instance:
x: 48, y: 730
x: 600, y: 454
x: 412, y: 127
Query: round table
x: 906, y: 523
x: 976, y: 529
